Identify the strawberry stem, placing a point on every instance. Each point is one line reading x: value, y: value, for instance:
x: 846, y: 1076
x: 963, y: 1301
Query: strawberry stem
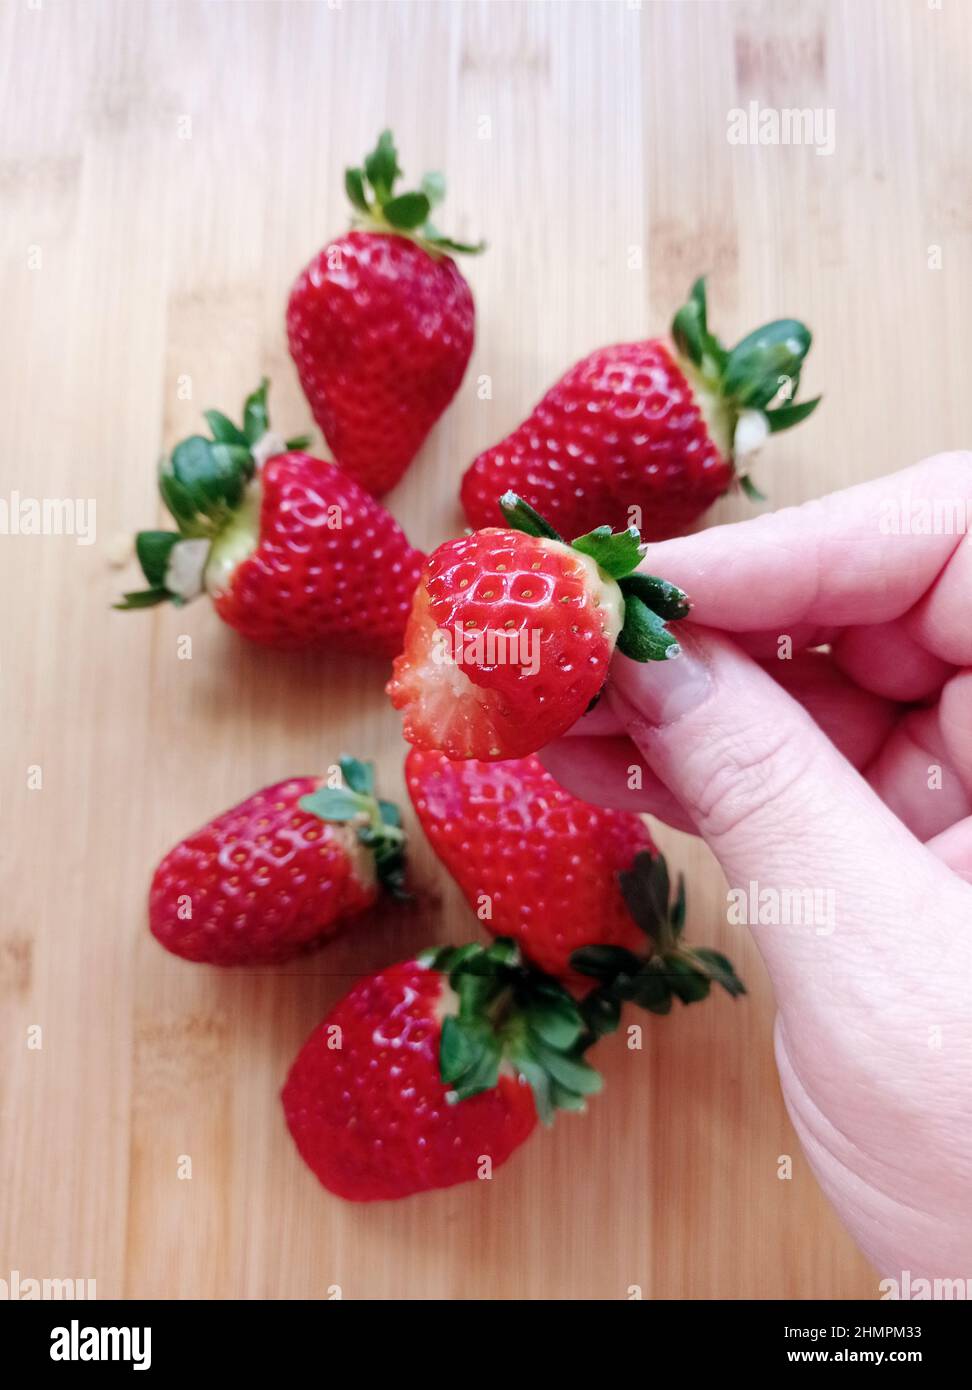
x: 648, y: 601
x: 371, y: 189
x: 763, y: 368
x: 670, y: 969
x: 510, y: 1012
x: 210, y: 488
x: 378, y: 823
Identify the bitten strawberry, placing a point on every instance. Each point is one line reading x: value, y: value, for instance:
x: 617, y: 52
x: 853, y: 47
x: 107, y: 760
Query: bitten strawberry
x: 577, y: 887
x: 649, y: 433
x: 279, y: 873
x: 432, y: 1069
x: 380, y: 324
x: 511, y: 632
x: 292, y: 552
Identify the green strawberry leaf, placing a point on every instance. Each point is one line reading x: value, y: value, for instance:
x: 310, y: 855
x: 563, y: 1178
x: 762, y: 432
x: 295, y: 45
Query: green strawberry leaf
x: 381, y: 167
x: 153, y: 549
x: 719, y: 969
x: 540, y: 1083
x: 504, y: 951
x: 522, y: 517
x: 784, y: 417
x: 434, y: 187
x: 447, y: 243
x: 144, y: 598
x: 645, y: 888
x: 571, y: 1072
x: 256, y: 419
x: 676, y: 913
x: 601, y: 1012
x: 475, y: 992
x: 754, y: 366
x: 298, y: 443
x: 564, y: 1099
x: 644, y: 636
x: 651, y: 990
x: 687, y: 983
x: 555, y: 1021
x: 390, y: 814
x: 334, y: 804
x: 617, y: 553
x: 482, y: 1077
x: 407, y: 211
x: 665, y: 599
x: 359, y: 776
x: 223, y: 429
x: 460, y: 1049
x: 355, y: 189
x: 690, y: 330
x: 750, y: 489
x: 603, y: 962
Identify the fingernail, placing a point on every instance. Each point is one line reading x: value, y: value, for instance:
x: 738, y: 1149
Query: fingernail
x: 659, y: 692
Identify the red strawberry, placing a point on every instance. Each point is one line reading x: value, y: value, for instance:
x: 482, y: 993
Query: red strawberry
x: 535, y: 863
x: 648, y: 433
x: 292, y: 552
x: 512, y: 630
x: 431, y: 1067
x: 280, y: 872
x: 576, y: 886
x: 380, y: 325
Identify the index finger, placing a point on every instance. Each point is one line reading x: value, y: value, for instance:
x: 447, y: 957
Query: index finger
x: 864, y: 555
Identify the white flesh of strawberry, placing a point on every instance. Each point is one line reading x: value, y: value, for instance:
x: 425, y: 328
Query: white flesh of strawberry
x: 235, y: 542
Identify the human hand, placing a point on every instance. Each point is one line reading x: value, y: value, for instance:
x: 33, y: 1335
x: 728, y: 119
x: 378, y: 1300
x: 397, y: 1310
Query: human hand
x: 846, y: 772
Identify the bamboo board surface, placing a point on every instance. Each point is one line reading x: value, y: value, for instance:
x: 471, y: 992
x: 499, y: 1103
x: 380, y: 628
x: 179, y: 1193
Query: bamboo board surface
x: 165, y: 170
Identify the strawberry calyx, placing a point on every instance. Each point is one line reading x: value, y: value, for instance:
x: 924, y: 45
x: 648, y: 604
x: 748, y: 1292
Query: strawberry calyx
x: 750, y: 389
x: 650, y: 603
x: 210, y: 487
x: 511, y: 1015
x: 378, y: 823
x: 669, y: 970
x: 378, y: 208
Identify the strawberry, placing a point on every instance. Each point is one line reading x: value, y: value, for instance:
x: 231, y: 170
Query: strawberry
x: 535, y: 863
x: 380, y: 324
x: 279, y: 873
x: 292, y: 552
x: 576, y: 886
x: 648, y: 433
x: 433, y: 1071
x: 511, y: 632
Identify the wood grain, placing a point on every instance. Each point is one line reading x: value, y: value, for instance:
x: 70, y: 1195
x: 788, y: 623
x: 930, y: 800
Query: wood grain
x: 164, y: 264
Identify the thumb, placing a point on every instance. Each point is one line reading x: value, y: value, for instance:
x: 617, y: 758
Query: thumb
x: 797, y: 830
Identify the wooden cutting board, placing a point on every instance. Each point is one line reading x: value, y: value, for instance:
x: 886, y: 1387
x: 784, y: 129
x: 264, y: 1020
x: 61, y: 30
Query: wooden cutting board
x: 166, y: 169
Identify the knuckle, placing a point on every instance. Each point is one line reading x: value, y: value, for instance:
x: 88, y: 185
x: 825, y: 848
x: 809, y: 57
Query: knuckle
x: 750, y: 774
